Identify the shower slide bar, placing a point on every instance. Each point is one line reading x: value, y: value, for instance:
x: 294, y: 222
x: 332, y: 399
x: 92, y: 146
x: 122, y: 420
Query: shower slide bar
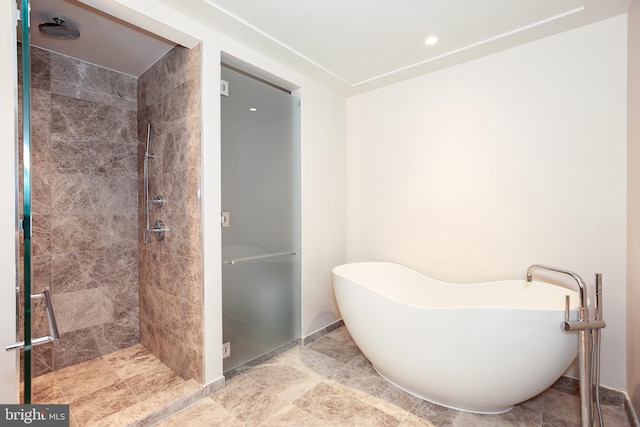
x: 54, y: 335
x: 159, y: 228
x: 258, y: 257
x: 145, y: 173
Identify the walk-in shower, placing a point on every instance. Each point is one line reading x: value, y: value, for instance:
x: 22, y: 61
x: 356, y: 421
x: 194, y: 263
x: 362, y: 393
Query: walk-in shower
x: 261, y: 218
x: 90, y: 153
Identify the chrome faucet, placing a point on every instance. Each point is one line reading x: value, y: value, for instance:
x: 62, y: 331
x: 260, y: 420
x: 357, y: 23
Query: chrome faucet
x: 584, y: 300
x: 585, y: 328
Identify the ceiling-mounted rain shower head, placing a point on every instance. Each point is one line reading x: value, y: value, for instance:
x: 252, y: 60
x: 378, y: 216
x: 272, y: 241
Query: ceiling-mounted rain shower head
x: 59, y: 29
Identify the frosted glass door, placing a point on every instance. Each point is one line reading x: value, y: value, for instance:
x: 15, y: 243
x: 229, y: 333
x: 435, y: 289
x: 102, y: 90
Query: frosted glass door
x: 261, y: 229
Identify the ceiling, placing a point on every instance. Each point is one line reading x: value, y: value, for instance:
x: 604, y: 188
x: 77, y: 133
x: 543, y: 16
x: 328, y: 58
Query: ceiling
x: 352, y: 46
x: 104, y: 40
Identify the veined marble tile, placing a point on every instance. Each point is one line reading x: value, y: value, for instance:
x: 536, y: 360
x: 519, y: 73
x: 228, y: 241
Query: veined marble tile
x: 311, y: 362
x: 41, y: 273
x: 178, y: 65
x: 41, y: 240
x: 338, y: 408
x: 285, y: 381
x: 84, y: 270
x: 183, y: 319
x: 85, y: 378
x: 101, y: 403
x: 292, y: 416
x: 132, y: 361
x: 78, y: 119
x: 344, y: 351
x: 360, y: 376
x: 81, y: 233
x: 76, y: 347
x: 45, y: 389
x: 81, y: 193
x: 82, y: 309
x: 92, y: 155
x: 184, y: 237
x: 144, y: 385
x: 186, y: 361
x: 120, y: 333
x: 169, y: 401
x: 80, y: 79
x: 182, y: 191
x: 39, y: 67
x: 248, y: 401
x: 182, y: 278
x: 203, y: 413
x: 42, y: 360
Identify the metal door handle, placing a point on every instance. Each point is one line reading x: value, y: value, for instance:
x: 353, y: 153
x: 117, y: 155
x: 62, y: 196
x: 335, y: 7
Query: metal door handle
x: 54, y: 335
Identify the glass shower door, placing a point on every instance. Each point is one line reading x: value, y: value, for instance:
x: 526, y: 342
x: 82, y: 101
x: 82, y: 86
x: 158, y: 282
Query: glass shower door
x: 26, y: 198
x: 261, y: 218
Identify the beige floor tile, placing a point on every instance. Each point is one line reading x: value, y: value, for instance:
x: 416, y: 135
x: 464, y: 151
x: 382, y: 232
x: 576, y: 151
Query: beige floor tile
x: 337, y: 408
x: 85, y: 378
x: 133, y: 361
x: 163, y: 402
x: 560, y: 408
x: 285, y: 381
x: 341, y: 350
x: 615, y: 417
x: 248, y: 401
x: 153, y: 381
x: 311, y: 362
x: 45, y: 389
x: 292, y: 416
x: 204, y: 413
x: 102, y: 403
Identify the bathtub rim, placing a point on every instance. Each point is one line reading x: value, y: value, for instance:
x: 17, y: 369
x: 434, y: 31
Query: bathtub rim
x: 573, y: 293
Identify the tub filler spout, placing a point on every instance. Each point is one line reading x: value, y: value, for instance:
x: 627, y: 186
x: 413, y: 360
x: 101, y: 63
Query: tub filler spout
x: 588, y: 344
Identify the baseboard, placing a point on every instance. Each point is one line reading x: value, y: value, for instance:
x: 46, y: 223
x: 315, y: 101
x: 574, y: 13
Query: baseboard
x: 322, y: 332
x: 631, y: 413
x: 608, y: 397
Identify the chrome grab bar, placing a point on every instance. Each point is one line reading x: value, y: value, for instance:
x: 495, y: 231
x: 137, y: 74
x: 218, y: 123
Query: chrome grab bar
x: 258, y: 257
x: 54, y: 335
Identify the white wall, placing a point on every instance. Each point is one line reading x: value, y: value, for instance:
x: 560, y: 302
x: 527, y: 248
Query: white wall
x: 8, y: 128
x: 474, y: 172
x: 633, y: 164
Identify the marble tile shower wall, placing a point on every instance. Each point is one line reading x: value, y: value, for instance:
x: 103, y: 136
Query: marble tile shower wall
x: 171, y: 269
x: 85, y: 208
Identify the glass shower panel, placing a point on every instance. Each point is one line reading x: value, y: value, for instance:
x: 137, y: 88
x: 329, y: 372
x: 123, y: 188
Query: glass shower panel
x: 261, y: 219
x: 26, y: 199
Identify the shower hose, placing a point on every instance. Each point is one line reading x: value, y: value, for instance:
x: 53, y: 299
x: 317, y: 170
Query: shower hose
x: 595, y: 334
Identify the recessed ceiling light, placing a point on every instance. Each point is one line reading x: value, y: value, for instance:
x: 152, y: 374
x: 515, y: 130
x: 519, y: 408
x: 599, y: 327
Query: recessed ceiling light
x: 431, y: 40
x: 253, y: 109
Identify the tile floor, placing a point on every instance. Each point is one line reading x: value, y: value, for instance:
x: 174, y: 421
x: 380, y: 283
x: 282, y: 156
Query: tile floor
x: 325, y: 383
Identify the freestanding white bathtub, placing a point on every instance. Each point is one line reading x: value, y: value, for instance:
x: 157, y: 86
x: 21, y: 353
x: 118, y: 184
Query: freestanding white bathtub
x: 478, y: 348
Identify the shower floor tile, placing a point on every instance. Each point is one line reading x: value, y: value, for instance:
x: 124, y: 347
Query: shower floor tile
x: 117, y: 389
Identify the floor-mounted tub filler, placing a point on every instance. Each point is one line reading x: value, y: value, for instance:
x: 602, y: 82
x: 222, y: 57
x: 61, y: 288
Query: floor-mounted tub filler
x: 477, y: 347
